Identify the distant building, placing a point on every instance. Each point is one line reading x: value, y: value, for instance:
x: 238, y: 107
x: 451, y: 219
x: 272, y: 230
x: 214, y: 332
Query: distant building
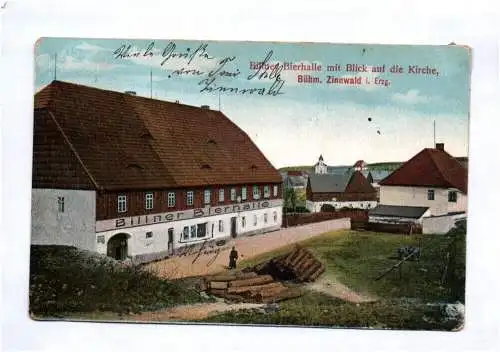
x: 320, y: 167
x: 359, y: 165
x: 432, y: 179
x: 350, y: 190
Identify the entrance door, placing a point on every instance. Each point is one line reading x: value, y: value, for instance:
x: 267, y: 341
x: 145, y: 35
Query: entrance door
x: 233, y: 227
x: 118, y: 247
x: 170, y: 241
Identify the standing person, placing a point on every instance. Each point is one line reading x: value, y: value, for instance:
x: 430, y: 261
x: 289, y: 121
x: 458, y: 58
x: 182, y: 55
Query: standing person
x: 233, y: 256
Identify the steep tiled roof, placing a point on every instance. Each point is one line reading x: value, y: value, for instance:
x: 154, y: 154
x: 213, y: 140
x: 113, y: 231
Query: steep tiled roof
x: 430, y: 168
x: 131, y: 142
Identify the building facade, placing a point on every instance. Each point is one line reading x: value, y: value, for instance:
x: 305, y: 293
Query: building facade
x: 432, y: 179
x: 350, y: 190
x: 139, y: 178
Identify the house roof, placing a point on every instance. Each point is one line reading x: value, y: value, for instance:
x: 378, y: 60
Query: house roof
x: 296, y: 181
x: 131, y: 142
x: 430, y: 168
x: 324, y: 183
x: 398, y: 211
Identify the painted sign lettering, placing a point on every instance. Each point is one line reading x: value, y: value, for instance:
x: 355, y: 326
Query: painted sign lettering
x: 105, y: 225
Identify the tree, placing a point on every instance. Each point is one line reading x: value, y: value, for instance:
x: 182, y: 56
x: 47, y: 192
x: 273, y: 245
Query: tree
x: 290, y: 199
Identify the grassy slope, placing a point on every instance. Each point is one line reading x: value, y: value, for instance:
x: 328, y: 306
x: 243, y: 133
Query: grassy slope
x: 356, y: 259
x: 63, y: 281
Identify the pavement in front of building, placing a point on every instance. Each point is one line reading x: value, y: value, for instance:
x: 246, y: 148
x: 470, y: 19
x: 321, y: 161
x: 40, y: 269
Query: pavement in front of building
x: 247, y: 247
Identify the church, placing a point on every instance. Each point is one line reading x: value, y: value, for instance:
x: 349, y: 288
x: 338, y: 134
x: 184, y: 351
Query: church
x: 139, y: 178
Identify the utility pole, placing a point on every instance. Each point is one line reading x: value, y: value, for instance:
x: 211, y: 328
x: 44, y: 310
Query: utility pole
x: 434, y: 146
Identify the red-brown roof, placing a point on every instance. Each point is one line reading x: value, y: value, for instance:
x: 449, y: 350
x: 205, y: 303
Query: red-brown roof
x: 430, y: 168
x: 131, y: 142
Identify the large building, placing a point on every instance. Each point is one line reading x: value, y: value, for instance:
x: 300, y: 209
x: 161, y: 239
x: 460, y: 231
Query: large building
x: 348, y: 190
x: 139, y: 178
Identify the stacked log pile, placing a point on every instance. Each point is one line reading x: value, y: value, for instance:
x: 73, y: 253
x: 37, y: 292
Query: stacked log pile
x: 298, y: 265
x: 260, y: 284
x: 249, y: 287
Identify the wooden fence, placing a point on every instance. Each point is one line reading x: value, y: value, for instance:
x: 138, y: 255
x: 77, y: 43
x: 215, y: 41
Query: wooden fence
x: 297, y: 219
x: 389, y: 228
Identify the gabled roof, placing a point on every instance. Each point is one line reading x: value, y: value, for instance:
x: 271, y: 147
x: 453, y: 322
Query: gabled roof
x: 398, y: 211
x: 132, y: 142
x: 430, y: 168
x: 325, y: 183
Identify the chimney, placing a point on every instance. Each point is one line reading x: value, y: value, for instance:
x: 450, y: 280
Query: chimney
x: 130, y: 92
x: 205, y: 106
x: 440, y: 146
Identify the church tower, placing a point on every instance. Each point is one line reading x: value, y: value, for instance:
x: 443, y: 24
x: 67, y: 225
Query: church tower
x: 320, y: 167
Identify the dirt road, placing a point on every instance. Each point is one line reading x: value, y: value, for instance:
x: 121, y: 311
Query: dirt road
x: 247, y: 247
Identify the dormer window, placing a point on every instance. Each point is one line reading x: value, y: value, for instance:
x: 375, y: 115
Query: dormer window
x: 211, y: 142
x: 206, y: 167
x: 135, y: 166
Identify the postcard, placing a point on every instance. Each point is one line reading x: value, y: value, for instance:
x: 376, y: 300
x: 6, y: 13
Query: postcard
x: 259, y: 183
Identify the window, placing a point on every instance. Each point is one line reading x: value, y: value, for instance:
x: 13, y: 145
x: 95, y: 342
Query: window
x: 430, y: 194
x: 265, y: 218
x: 275, y: 191
x: 171, y: 199
x: 122, y: 203
x: 256, y: 192
x: 452, y: 196
x: 190, y: 198
x: 60, y: 204
x: 221, y: 226
x: 101, y: 239
x: 185, y: 233
x: 193, y: 231
x: 202, y: 230
x: 149, y: 201
x: 233, y: 194
x: 221, y: 195
x: 275, y: 215
x: 149, y: 234
x: 243, y: 193
x: 255, y: 220
x: 243, y: 222
x: 207, y: 196
x: 267, y: 191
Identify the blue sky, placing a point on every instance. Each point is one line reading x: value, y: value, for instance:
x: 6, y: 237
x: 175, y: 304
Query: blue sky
x: 306, y: 119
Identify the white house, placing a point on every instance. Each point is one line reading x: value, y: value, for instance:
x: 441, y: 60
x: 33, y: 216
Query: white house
x: 432, y: 179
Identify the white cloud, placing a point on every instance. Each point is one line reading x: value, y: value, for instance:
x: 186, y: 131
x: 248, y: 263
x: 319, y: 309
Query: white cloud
x: 70, y: 63
x: 43, y: 61
x: 84, y: 46
x: 411, y: 97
